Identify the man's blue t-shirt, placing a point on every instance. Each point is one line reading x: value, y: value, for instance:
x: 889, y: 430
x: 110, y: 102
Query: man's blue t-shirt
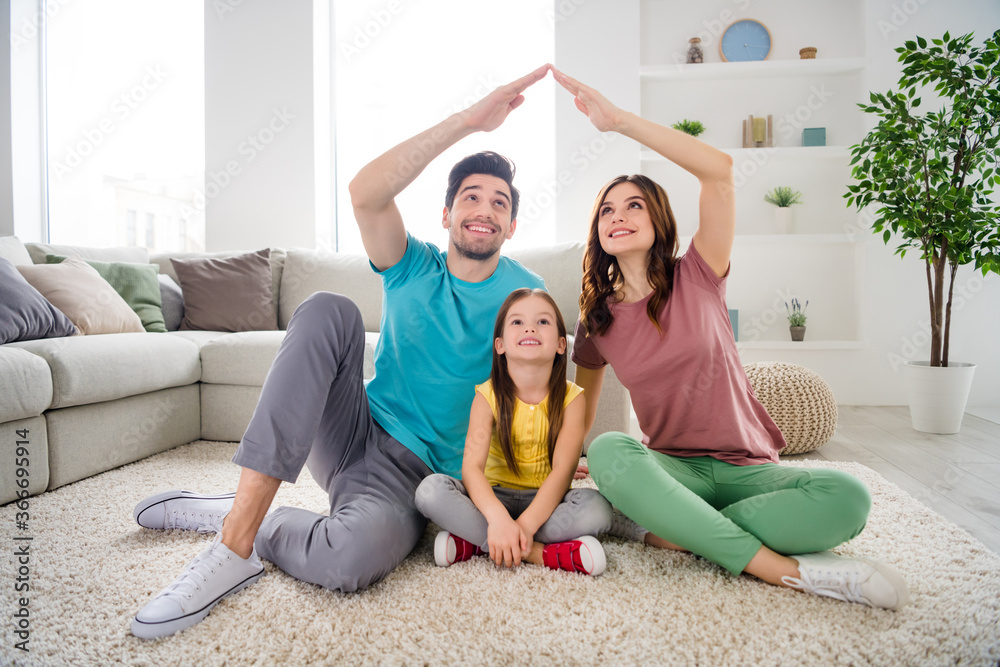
x: 436, y: 345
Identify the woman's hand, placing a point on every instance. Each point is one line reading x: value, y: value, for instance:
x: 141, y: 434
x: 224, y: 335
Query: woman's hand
x: 490, y: 112
x: 603, y: 114
x: 507, y: 541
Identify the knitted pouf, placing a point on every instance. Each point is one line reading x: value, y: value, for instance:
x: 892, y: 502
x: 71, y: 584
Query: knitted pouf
x: 799, y: 402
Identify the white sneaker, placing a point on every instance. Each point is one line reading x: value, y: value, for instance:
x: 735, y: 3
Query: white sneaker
x: 213, y: 574
x: 869, y: 582
x: 184, y: 510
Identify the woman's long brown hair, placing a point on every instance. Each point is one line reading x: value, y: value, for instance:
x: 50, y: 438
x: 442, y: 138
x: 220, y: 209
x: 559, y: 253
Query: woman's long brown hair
x: 601, y: 274
x: 503, y: 384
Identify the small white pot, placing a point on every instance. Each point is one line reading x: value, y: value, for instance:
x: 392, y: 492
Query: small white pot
x: 938, y: 395
x: 783, y: 220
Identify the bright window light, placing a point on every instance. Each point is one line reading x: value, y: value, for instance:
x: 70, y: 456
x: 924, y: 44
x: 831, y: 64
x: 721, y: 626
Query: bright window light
x: 125, y: 87
x: 401, y: 67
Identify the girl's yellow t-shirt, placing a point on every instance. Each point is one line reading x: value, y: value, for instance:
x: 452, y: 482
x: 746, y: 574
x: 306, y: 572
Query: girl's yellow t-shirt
x: 530, y: 433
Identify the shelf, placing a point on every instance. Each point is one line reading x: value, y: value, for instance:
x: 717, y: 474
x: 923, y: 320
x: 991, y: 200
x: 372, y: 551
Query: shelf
x: 744, y: 70
x: 801, y: 345
x: 787, y: 239
x: 811, y: 239
x: 782, y: 152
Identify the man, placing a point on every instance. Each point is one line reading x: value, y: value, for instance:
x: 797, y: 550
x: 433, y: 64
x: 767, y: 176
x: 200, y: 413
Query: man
x: 368, y: 447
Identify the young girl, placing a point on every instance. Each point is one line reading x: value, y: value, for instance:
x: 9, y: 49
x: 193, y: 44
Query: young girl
x: 704, y: 479
x: 522, y: 449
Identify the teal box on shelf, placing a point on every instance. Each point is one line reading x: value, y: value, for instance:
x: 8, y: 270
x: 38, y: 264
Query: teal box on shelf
x: 734, y: 319
x: 814, y: 136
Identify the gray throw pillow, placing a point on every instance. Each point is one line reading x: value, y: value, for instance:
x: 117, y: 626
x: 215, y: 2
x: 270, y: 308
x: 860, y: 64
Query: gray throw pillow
x: 24, y: 313
x: 172, y: 300
x: 227, y: 294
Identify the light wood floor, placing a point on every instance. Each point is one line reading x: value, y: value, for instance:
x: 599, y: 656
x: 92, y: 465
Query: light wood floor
x: 958, y: 476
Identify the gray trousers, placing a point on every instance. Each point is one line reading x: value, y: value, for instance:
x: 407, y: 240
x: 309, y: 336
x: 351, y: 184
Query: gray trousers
x: 313, y: 410
x: 444, y: 500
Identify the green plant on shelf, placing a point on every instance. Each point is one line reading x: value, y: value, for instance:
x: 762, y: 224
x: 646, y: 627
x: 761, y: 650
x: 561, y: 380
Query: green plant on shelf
x: 692, y: 127
x: 783, y: 196
x: 796, y: 313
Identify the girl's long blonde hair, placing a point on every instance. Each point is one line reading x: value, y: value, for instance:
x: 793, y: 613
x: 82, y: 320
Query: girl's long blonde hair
x: 503, y: 384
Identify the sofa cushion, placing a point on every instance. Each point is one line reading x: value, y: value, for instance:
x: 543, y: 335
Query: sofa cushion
x: 245, y: 358
x: 561, y: 266
x: 90, y: 369
x: 240, y: 358
x: 77, y: 289
x: 24, y: 313
x: 26, y: 390
x: 133, y: 254
x: 172, y: 302
x: 14, y: 251
x: 227, y: 294
x: 309, y: 271
x: 136, y: 284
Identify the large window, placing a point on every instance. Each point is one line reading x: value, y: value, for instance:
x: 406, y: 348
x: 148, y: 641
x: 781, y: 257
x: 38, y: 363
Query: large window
x: 400, y: 67
x: 125, y: 123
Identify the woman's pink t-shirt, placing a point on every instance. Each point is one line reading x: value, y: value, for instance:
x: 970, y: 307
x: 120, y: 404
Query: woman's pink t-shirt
x: 688, y: 387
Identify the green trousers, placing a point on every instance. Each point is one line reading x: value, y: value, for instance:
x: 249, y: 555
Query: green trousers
x: 725, y: 512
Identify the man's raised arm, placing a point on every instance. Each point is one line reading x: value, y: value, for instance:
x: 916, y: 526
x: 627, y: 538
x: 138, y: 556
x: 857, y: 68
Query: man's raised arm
x: 374, y: 189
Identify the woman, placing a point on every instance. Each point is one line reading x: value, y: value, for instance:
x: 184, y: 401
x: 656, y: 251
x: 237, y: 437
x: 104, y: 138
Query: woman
x: 707, y: 480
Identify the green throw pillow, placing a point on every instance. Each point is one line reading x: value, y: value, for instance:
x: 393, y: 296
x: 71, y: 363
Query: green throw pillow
x: 136, y: 283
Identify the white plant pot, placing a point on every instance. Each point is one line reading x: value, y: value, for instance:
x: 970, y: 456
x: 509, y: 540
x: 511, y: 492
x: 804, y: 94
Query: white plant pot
x: 938, y: 395
x: 783, y: 220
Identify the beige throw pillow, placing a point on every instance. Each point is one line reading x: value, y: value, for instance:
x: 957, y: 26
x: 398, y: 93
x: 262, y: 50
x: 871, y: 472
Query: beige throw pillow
x: 79, y: 291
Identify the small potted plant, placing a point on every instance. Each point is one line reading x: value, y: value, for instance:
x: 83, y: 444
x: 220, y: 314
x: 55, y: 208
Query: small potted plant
x: 797, y: 319
x: 692, y: 127
x: 783, y: 197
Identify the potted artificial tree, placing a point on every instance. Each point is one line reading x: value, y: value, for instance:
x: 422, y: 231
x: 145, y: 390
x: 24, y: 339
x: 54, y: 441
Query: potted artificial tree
x: 931, y: 174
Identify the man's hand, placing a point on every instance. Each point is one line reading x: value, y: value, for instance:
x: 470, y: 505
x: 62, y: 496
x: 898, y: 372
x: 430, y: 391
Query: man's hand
x: 603, y: 114
x: 490, y: 112
x: 507, y: 541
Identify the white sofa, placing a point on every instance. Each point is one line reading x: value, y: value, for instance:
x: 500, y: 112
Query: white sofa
x: 87, y: 404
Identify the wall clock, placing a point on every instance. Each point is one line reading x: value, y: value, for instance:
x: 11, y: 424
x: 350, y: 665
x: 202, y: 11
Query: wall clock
x: 745, y: 40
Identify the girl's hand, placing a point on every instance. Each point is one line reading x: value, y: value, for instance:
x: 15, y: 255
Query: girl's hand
x: 603, y: 114
x: 490, y: 112
x: 507, y: 541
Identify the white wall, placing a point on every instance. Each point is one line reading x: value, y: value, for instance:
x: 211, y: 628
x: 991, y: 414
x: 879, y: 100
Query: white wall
x: 896, y: 294
x: 599, y: 44
x: 6, y: 189
x: 25, y: 120
x: 260, y: 167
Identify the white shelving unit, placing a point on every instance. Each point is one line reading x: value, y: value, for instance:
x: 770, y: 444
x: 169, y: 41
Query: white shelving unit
x: 753, y: 70
x: 824, y: 259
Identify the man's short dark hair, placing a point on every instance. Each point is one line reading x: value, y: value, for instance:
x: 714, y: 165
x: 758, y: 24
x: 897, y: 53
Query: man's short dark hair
x: 486, y: 162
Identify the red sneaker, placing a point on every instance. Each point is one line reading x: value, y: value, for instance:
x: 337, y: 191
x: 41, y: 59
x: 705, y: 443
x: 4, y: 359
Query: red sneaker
x: 450, y: 549
x: 584, y: 554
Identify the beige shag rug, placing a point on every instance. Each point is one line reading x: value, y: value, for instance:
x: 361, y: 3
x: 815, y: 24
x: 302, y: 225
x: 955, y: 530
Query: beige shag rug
x: 92, y: 568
